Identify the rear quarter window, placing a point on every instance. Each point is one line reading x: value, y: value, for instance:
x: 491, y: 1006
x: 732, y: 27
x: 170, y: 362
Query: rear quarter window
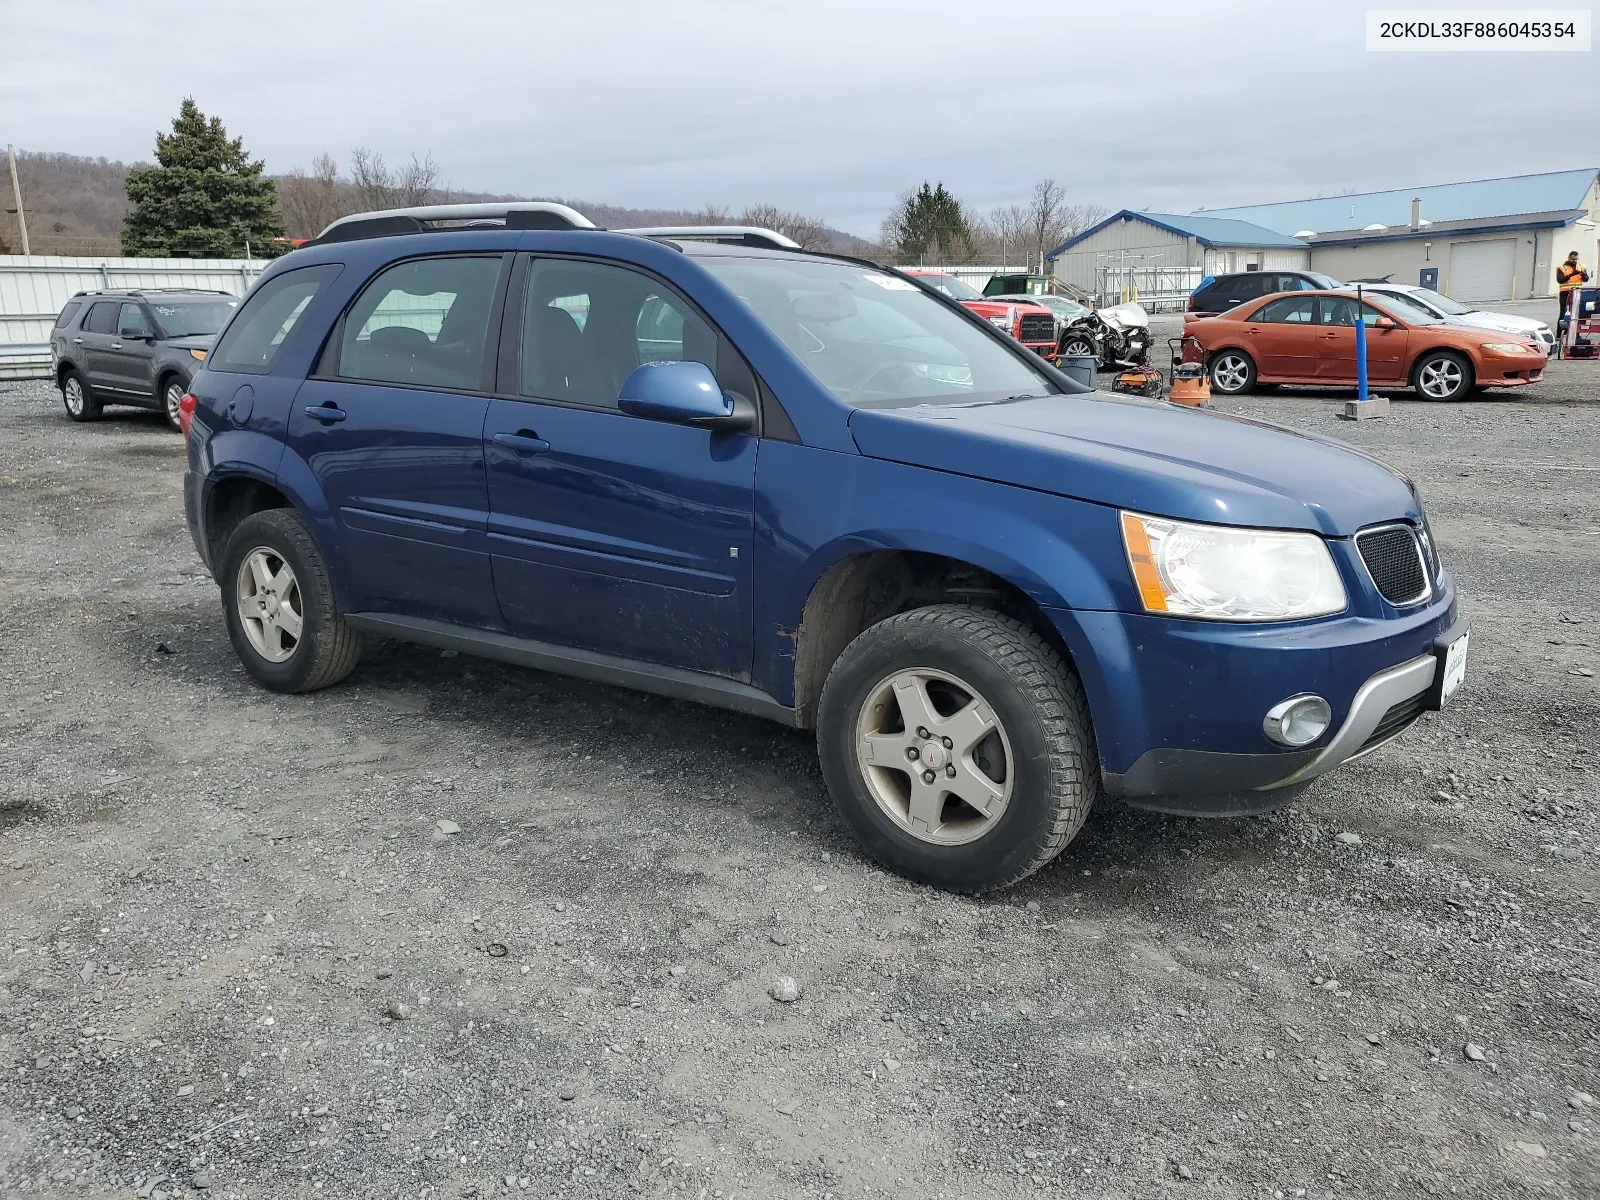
x: 269, y: 315
x: 71, y: 309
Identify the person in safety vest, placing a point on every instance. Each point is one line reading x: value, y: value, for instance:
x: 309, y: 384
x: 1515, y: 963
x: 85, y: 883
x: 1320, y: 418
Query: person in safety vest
x: 1570, y: 276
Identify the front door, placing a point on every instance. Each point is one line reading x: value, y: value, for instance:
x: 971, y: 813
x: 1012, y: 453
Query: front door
x: 1282, y: 338
x: 130, y: 357
x: 1336, y: 343
x: 609, y: 532
x: 391, y: 425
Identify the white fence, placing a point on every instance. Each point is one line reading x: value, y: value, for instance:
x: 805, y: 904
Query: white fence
x: 33, y: 289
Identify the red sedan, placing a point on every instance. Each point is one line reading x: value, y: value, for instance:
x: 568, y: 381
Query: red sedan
x: 1310, y: 338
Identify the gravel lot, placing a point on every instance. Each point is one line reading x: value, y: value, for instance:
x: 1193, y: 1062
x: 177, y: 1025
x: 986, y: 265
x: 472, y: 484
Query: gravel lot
x: 457, y: 928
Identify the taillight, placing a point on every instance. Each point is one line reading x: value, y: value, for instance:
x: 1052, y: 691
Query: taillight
x: 186, y: 408
x: 1192, y: 305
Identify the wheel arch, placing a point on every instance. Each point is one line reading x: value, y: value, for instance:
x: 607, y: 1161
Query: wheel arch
x: 229, y: 500
x: 863, y: 585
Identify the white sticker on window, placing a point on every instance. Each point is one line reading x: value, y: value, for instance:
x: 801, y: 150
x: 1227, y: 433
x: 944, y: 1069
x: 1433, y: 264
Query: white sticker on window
x: 890, y: 283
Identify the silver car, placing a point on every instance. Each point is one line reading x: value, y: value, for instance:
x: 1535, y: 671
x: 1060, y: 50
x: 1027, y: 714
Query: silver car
x: 1457, y: 313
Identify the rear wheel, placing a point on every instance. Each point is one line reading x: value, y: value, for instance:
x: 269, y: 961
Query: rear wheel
x: 77, y: 399
x: 283, y: 617
x: 1442, y: 375
x: 172, y: 393
x: 1233, y: 373
x: 957, y: 745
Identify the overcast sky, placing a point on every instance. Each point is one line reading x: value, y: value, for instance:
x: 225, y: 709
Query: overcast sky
x: 827, y: 106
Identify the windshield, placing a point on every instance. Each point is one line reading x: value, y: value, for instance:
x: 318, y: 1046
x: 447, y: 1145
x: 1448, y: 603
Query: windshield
x: 1326, y: 281
x: 1440, y: 302
x: 952, y: 287
x: 1408, y: 309
x: 193, y: 318
x: 1066, y: 310
x: 874, y: 339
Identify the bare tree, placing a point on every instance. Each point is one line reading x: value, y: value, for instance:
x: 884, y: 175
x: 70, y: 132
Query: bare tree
x: 811, y: 233
x: 712, y: 214
x: 378, y: 186
x: 312, y: 200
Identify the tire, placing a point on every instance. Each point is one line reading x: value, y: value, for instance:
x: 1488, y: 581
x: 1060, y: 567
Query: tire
x: 1077, y: 344
x: 77, y: 399
x: 172, y: 391
x: 1233, y: 372
x: 1442, y: 375
x: 315, y: 649
x: 1033, y: 765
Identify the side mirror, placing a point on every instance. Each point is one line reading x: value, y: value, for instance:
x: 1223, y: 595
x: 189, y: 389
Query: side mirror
x: 1384, y: 323
x: 685, y: 393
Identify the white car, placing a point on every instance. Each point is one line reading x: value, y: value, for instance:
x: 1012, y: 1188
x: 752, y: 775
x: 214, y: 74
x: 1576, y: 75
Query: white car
x: 1460, y: 314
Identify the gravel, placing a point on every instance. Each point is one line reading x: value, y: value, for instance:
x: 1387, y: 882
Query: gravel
x: 635, y: 855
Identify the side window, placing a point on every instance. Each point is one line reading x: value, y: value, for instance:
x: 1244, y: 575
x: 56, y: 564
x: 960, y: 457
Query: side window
x: 587, y: 326
x: 102, y: 317
x: 72, y: 309
x: 1337, y: 310
x: 423, y: 323
x: 1288, y: 310
x: 132, y: 323
x: 269, y: 314
x: 1370, y: 314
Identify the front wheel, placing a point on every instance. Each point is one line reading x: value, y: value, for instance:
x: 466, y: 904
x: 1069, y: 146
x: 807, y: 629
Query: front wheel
x: 1442, y: 375
x: 171, y: 397
x: 957, y: 745
x: 1076, y: 346
x: 283, y: 617
x: 1233, y: 373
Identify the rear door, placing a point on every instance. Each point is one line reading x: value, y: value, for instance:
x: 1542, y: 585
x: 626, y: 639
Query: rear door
x: 94, y: 343
x: 391, y: 425
x: 610, y: 532
x: 1282, y: 338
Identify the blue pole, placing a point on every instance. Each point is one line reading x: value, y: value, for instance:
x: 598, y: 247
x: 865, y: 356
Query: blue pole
x: 1361, y: 350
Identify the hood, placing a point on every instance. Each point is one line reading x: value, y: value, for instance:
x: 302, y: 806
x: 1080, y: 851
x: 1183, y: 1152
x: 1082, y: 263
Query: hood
x: 190, y: 343
x: 1493, y: 320
x: 997, y: 308
x: 1149, y: 456
x: 1124, y: 316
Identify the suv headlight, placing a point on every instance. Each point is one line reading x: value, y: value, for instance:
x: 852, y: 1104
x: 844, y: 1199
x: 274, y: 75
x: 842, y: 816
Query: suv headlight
x: 1221, y: 573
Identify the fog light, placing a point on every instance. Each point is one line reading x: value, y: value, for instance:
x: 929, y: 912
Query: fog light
x: 1298, y: 721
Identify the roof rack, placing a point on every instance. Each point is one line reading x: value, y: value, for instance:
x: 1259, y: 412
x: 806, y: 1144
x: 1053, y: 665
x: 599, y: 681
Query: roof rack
x: 188, y: 291
x: 395, y: 221
x: 738, y: 235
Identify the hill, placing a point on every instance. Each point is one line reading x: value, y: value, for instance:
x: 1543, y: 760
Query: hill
x: 75, y: 204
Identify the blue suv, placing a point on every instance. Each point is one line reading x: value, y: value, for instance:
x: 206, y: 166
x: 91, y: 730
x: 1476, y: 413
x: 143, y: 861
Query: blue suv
x: 707, y: 464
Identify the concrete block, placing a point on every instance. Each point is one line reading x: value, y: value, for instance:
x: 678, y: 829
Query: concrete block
x: 1365, y: 410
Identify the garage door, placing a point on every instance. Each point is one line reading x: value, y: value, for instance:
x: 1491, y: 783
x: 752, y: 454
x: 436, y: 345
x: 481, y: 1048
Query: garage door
x: 1482, y: 270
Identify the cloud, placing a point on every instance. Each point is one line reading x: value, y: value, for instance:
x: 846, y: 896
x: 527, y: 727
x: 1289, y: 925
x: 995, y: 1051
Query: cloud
x: 826, y: 106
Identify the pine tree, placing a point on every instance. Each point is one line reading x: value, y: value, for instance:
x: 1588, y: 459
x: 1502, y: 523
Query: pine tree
x: 204, y: 198
x: 926, y: 219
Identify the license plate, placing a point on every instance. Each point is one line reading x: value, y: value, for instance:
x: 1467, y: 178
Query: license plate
x: 1455, y: 666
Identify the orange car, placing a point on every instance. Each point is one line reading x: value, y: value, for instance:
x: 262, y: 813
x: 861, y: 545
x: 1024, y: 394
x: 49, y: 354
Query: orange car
x: 1310, y: 337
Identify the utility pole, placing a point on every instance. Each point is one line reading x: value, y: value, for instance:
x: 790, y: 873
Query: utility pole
x: 16, y: 190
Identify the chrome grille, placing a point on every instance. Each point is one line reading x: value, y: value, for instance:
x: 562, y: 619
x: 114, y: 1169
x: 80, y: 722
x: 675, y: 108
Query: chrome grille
x: 1395, y: 561
x: 1037, y: 327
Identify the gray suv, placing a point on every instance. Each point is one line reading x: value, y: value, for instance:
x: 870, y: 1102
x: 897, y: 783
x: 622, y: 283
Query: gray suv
x: 134, y: 347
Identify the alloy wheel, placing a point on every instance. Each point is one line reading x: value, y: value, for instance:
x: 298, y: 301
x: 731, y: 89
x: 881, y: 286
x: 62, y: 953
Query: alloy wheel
x: 173, y: 397
x: 1078, y: 347
x: 1440, y: 378
x: 1229, y: 373
x: 934, y: 756
x: 270, y: 606
x: 72, y: 395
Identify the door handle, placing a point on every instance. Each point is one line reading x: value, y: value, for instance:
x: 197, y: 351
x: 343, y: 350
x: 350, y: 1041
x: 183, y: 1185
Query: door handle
x: 116, y: 345
x: 78, y: 340
x: 524, y: 442
x: 326, y: 413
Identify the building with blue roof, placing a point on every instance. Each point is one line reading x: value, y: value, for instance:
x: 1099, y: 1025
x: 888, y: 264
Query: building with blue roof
x: 1480, y: 240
